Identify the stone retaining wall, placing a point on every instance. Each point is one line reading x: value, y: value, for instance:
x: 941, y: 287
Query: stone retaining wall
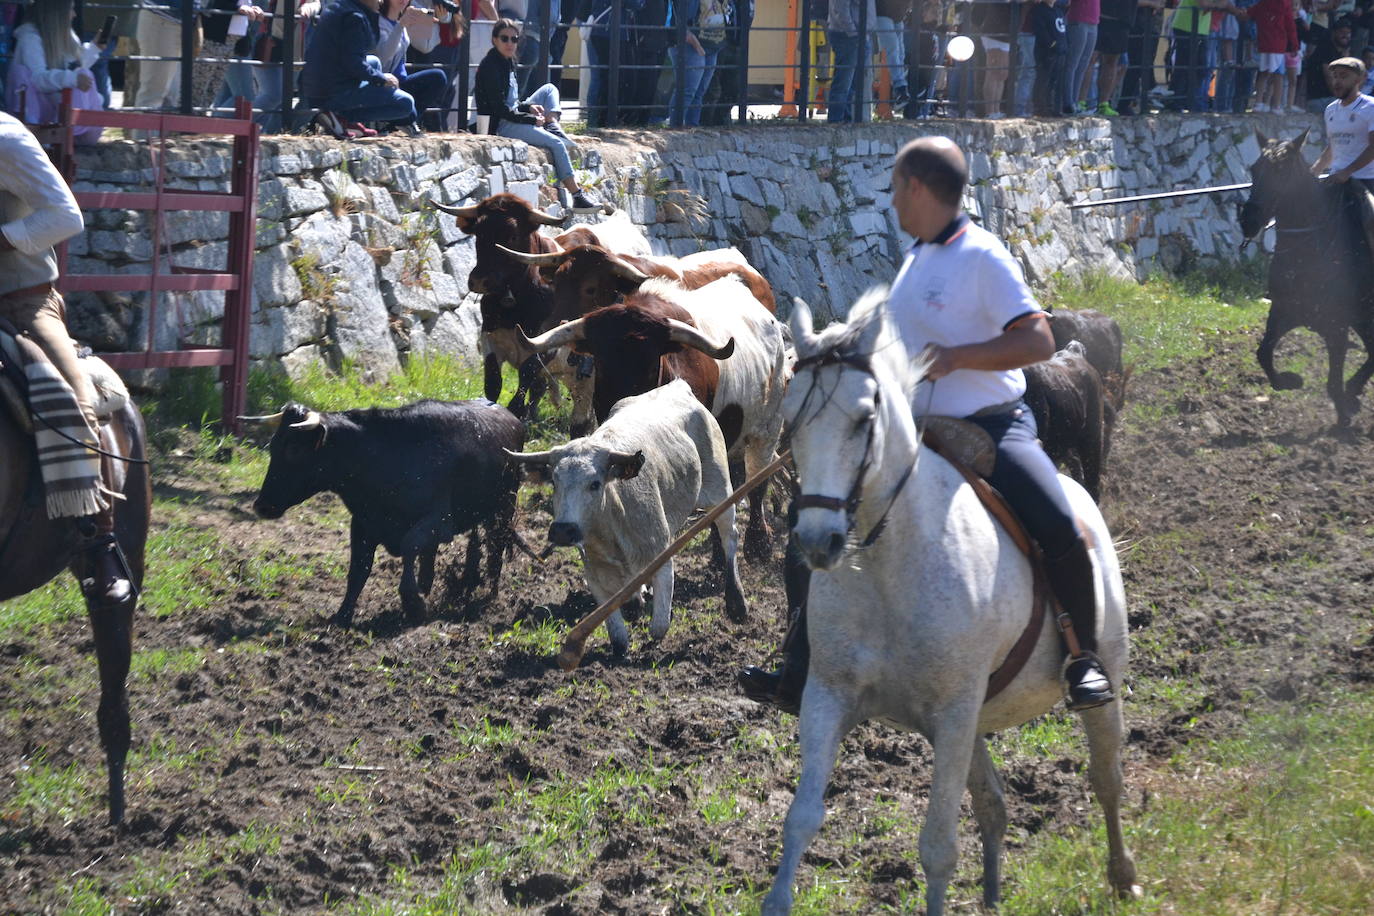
x: 352, y: 265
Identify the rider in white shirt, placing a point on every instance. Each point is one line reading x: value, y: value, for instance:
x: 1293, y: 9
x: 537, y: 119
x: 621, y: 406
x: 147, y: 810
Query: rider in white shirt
x: 1349, y: 151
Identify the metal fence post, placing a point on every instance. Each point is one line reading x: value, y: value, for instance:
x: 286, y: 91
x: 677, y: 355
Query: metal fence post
x: 288, y: 62
x: 859, y: 93
x: 188, y: 53
x: 614, y: 33
x: 743, y: 23
x: 804, y: 49
x: 678, y: 116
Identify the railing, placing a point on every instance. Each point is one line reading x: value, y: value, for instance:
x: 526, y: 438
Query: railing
x: 1002, y: 75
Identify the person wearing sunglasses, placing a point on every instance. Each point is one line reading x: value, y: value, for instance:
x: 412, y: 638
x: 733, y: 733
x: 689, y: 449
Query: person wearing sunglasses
x: 535, y: 120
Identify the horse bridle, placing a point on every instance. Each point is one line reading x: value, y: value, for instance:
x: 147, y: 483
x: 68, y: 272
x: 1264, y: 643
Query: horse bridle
x: 850, y: 504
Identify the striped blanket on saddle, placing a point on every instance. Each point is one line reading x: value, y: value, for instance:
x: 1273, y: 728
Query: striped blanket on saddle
x: 71, y: 470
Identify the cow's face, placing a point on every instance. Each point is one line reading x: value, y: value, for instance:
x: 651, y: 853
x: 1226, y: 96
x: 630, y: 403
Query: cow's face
x: 584, y: 282
x: 502, y: 219
x: 583, y: 474
x: 295, y: 472
x: 627, y: 348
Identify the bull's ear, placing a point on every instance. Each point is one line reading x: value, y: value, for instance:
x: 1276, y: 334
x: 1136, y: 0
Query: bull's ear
x: 1263, y: 140
x: 626, y: 467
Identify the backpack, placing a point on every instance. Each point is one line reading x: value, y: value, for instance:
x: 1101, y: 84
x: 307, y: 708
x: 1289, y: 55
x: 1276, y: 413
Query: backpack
x: 711, y: 23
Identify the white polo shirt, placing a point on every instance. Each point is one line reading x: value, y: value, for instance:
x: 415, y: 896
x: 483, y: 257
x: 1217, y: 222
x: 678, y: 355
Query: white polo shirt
x: 962, y: 287
x: 1347, y: 131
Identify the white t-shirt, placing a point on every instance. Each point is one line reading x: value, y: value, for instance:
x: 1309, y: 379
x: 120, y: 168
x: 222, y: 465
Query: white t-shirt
x: 963, y: 287
x: 1347, y: 131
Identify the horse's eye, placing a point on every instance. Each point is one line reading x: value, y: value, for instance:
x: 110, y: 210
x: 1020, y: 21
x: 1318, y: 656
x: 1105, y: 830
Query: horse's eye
x: 594, y: 486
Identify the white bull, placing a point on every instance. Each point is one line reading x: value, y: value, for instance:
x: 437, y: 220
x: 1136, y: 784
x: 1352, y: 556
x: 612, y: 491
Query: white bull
x: 623, y: 493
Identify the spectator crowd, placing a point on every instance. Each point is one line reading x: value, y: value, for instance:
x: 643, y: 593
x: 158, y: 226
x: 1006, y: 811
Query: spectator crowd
x: 359, y: 67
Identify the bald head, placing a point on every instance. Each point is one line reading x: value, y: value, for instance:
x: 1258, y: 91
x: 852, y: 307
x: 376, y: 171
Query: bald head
x: 937, y: 163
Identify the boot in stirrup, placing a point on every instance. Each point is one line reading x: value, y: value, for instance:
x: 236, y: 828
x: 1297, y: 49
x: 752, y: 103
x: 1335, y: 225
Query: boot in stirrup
x: 1071, y: 579
x: 107, y: 580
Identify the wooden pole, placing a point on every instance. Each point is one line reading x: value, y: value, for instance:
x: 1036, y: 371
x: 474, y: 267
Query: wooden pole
x: 575, y: 643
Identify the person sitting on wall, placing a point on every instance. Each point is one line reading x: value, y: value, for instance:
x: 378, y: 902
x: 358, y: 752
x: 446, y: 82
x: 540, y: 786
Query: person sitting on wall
x: 345, y: 80
x: 48, y: 59
x: 535, y: 120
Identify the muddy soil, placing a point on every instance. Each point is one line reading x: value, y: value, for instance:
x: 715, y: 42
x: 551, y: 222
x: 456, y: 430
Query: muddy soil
x: 299, y: 767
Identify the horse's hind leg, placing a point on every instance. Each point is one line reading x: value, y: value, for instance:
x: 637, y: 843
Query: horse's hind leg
x: 990, y: 810
x: 1277, y: 325
x: 1355, y: 386
x: 112, y: 626
x: 1104, y: 728
x: 825, y: 719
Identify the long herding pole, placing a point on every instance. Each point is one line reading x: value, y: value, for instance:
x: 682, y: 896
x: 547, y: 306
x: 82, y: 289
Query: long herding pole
x: 1161, y: 195
x: 575, y: 643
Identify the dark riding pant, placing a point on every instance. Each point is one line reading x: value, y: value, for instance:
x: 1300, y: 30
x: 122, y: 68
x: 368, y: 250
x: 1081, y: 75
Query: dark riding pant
x: 1027, y: 479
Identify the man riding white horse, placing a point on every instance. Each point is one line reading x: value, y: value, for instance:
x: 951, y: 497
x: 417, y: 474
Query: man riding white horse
x: 961, y: 296
x: 1349, y: 152
x: 38, y: 211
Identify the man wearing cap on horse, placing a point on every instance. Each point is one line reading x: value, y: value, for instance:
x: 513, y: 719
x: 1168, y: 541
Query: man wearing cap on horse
x: 37, y: 212
x: 960, y: 297
x: 1349, y: 151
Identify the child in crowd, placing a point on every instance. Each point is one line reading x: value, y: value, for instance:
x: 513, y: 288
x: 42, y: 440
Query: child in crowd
x: 1048, y: 19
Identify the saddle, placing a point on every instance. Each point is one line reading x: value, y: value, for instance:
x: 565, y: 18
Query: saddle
x: 111, y: 394
x: 971, y: 451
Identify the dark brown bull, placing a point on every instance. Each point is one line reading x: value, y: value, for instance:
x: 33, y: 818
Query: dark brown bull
x: 34, y: 549
x: 513, y: 295
x: 1101, y: 339
x: 640, y: 345
x: 588, y: 277
x: 1065, y: 395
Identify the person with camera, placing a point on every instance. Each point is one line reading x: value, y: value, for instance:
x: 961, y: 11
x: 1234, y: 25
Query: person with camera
x: 48, y: 59
x: 404, y: 25
x: 345, y: 80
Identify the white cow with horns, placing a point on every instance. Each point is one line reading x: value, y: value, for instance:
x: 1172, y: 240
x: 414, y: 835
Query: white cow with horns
x: 622, y: 493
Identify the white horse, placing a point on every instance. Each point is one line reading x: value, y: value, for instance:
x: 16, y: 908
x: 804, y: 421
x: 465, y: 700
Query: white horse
x: 909, y: 629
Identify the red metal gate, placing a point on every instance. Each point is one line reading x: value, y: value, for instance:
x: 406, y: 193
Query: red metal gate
x: 236, y: 280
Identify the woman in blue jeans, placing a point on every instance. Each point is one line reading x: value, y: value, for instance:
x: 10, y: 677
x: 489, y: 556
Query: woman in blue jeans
x: 534, y: 120
x: 847, y: 46
x: 705, y: 35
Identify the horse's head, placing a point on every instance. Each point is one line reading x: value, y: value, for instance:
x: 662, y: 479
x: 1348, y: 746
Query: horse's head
x: 1279, y: 172
x: 847, y: 392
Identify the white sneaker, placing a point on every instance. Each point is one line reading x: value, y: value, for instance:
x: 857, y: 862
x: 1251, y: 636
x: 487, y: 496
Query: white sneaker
x: 1260, y: 108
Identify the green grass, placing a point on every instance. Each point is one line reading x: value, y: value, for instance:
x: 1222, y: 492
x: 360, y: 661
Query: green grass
x: 1276, y: 820
x: 1167, y: 320
x: 46, y: 793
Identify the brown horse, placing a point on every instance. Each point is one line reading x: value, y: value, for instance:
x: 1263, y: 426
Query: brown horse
x: 34, y: 549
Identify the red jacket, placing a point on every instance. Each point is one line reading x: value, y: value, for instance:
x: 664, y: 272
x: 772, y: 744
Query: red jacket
x: 1274, y: 21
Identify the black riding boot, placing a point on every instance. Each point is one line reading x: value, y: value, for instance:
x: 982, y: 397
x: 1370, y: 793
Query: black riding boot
x: 106, y: 578
x: 783, y: 687
x: 1071, y: 578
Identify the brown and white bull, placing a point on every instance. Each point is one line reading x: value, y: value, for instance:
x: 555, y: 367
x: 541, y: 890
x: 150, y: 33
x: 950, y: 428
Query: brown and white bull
x: 588, y: 277
x: 514, y: 295
x: 623, y: 493
x: 731, y: 352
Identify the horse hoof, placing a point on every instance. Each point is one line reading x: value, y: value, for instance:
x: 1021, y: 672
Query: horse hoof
x: 1130, y: 892
x: 1287, y: 381
x: 342, y: 621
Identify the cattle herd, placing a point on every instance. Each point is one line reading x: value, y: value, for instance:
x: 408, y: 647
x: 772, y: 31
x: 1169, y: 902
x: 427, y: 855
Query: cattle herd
x: 683, y: 363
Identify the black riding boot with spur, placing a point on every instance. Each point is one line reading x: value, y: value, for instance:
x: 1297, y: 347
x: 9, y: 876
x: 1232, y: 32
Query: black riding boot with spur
x: 1071, y: 579
x: 106, y: 577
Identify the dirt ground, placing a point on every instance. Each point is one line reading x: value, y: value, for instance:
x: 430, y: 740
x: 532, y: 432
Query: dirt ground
x: 371, y: 764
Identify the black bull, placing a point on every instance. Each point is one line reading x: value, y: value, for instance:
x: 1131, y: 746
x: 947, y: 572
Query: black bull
x: 413, y: 478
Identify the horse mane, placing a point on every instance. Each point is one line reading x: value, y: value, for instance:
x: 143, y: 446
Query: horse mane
x: 890, y: 351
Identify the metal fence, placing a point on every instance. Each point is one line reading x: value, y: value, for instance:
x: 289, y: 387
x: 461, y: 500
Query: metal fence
x: 944, y: 58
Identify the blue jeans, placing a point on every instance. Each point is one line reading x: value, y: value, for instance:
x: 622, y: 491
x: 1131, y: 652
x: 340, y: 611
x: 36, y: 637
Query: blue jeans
x: 1082, y: 40
x: 1025, y: 79
x: 427, y: 88
x: 268, y: 100
x: 696, y: 77
x: 892, y: 42
x: 366, y: 102
x: 846, y: 50
x: 557, y: 145
x: 238, y: 84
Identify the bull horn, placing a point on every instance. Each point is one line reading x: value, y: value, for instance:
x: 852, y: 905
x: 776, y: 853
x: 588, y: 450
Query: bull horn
x: 468, y: 212
x: 529, y: 457
x: 552, y: 259
x: 312, y: 420
x: 271, y: 420
x: 548, y: 219
x: 626, y: 270
x: 688, y: 336
x: 561, y: 336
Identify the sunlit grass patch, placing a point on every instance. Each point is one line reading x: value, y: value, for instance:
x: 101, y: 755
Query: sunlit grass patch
x: 43, y: 792
x: 1278, y: 820
x: 1167, y: 320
